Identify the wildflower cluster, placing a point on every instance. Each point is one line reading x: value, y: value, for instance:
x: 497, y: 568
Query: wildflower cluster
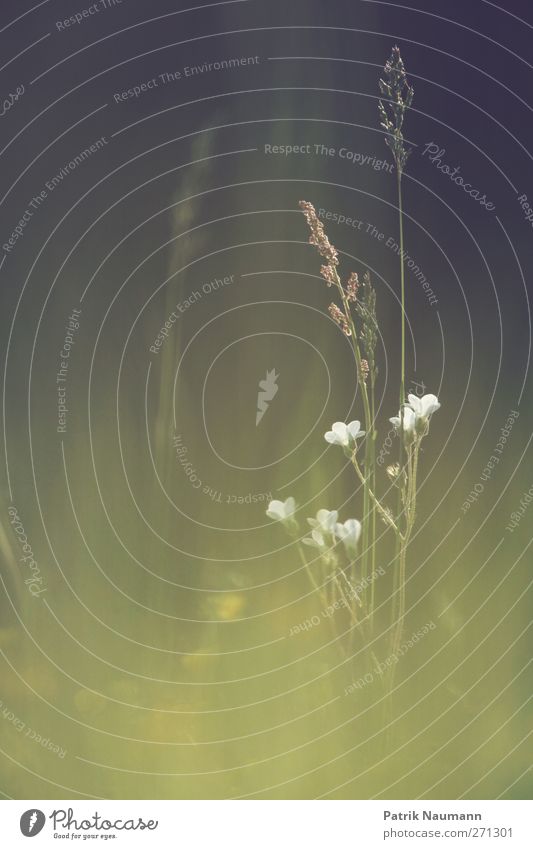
x: 356, y: 540
x: 327, y: 532
x: 336, y: 544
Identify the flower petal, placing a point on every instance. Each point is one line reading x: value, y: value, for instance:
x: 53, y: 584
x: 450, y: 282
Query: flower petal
x: 354, y: 527
x: 325, y: 520
x: 354, y: 429
x: 290, y: 507
x: 430, y: 405
x: 341, y: 432
x: 276, y: 510
x: 340, y: 530
x: 416, y: 404
x: 349, y: 533
x: 339, y: 428
x: 318, y: 538
x: 409, y: 419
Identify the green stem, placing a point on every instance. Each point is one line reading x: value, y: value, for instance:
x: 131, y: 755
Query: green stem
x: 403, y: 551
x: 381, y: 510
x: 373, y: 484
x: 319, y: 590
x: 402, y: 280
x: 357, y: 352
x: 368, y: 419
x: 401, y: 605
x: 397, y: 590
x: 412, y: 517
x: 410, y: 511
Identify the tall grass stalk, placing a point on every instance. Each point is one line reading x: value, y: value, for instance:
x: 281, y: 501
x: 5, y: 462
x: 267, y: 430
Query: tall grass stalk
x: 399, y: 94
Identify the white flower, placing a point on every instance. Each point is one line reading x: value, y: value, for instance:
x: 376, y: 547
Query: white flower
x: 409, y: 424
x: 345, y: 435
x: 416, y: 415
x: 325, y: 521
x: 316, y: 540
x: 349, y: 533
x: 424, y: 407
x: 282, y: 511
x: 323, y: 533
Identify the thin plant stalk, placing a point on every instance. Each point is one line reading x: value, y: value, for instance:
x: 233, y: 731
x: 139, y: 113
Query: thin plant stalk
x: 399, y: 94
x: 400, y: 552
x: 316, y: 587
x: 384, y: 513
x: 404, y: 539
x: 372, y: 438
x: 355, y: 622
x: 368, y: 420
